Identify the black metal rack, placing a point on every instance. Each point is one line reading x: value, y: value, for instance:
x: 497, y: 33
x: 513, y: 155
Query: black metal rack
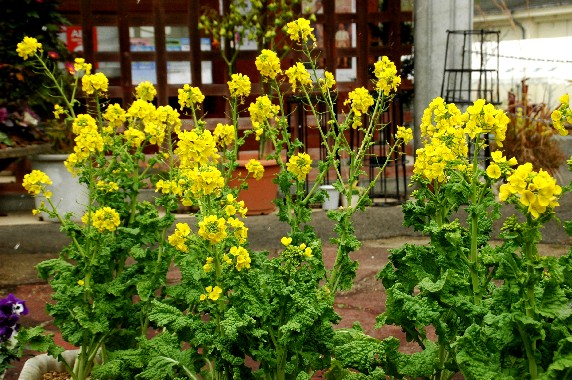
x: 463, y: 82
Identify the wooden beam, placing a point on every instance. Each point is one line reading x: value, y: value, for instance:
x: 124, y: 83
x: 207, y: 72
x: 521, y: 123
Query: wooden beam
x: 160, y: 52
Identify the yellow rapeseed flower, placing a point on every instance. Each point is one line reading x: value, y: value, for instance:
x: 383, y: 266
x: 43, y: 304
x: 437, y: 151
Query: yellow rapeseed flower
x: 239, y: 85
x: 242, y: 257
x: 196, y: 148
x: 300, y: 30
x: 189, y: 95
x: 145, y: 91
x: 360, y: 101
x: 224, y: 134
x: 268, y: 64
x: 405, y: 134
x: 104, y: 219
x: 115, y: 115
x: 58, y: 111
x: 35, y: 182
x: 298, y: 74
x: 255, y: 168
x: 213, y: 229
x: 81, y: 65
x: 28, y: 47
x: 494, y: 171
x: 179, y: 237
x: 300, y: 165
x: 327, y: 82
x: 386, y: 74
x: 94, y: 83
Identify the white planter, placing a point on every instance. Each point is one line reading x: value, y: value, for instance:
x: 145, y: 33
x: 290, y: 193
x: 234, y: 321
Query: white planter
x: 36, y: 367
x: 332, y: 200
x: 68, y: 194
x: 353, y: 201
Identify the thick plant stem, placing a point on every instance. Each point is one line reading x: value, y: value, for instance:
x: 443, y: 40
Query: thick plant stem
x: 530, y: 253
x: 474, y: 225
x: 530, y: 348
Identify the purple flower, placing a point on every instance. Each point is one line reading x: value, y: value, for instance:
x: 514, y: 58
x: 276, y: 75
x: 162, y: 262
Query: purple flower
x: 11, y: 308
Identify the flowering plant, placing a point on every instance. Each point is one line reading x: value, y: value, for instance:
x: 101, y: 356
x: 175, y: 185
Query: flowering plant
x: 11, y: 308
x: 498, y: 311
x: 231, y: 303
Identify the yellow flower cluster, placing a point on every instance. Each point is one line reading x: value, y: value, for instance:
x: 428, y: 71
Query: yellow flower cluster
x: 81, y: 65
x: 239, y: 85
x: 260, y: 112
x: 115, y: 116
x: 213, y: 229
x: 405, y: 134
x: 327, y: 82
x: 482, y: 117
x: 536, y: 190
x: 87, y: 142
x: 268, y: 64
x: 440, y: 118
x: 300, y: 30
x: 170, y: 187
x: 104, y: 218
x: 562, y: 115
x: 196, y: 148
x: 169, y: 118
x: 224, y: 135
x: 35, y: 183
x: 58, y: 111
x: 134, y: 136
x: 142, y: 110
x: 145, y: 91
x: 386, y: 74
x: 179, y: 238
x: 444, y: 130
x: 300, y: 165
x: 28, y: 47
x: 189, y: 95
x: 433, y: 159
x: 241, y: 256
x: 240, y: 230
x: 205, y: 180
x: 212, y: 293
x: 107, y: 187
x: 255, y: 168
x: 298, y: 74
x: 94, y: 84
x: 296, y: 252
x: 500, y: 165
x: 360, y: 100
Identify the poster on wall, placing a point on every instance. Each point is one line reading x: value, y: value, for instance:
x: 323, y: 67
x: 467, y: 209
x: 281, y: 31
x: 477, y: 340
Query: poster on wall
x: 73, y: 37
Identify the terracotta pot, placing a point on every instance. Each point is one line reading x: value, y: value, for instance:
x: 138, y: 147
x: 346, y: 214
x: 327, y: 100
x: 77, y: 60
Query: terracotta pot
x: 259, y: 196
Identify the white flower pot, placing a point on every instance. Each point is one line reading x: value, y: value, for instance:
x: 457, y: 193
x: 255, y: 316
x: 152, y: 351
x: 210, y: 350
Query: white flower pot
x: 36, y: 367
x: 332, y: 200
x: 68, y: 194
x: 353, y: 201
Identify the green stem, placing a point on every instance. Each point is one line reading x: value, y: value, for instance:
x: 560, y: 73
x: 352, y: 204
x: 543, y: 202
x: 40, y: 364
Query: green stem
x: 335, y: 274
x: 474, y: 225
x: 530, y: 348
